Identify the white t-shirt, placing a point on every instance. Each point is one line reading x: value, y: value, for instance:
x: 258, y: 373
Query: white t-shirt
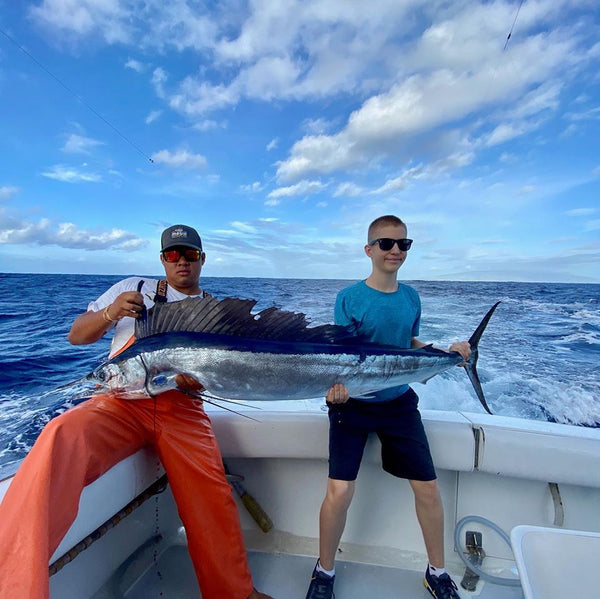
x: 124, y: 328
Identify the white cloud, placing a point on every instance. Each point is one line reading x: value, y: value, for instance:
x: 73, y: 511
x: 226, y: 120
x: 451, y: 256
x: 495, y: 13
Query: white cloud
x: 301, y: 188
x: 244, y: 227
x: 252, y: 187
x: 209, y: 124
x: 581, y: 212
x: 159, y: 78
x: 67, y: 235
x: 348, y: 189
x: 273, y: 144
x: 153, y: 116
x: 79, y: 144
x: 179, y: 159
x: 108, y: 18
x: 7, y: 192
x: 68, y: 174
x: 135, y: 65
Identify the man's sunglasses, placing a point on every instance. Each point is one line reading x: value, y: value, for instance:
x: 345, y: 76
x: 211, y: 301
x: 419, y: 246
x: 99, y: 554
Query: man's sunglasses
x: 386, y: 244
x: 189, y: 254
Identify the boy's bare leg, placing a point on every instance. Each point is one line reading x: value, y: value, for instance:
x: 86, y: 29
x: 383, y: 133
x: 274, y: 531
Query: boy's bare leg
x: 430, y: 513
x: 332, y: 519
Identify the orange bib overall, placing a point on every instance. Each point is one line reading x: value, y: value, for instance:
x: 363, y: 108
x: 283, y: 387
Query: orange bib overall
x: 77, y: 447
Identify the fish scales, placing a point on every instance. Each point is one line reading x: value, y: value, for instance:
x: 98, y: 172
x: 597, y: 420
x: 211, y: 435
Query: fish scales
x: 271, y: 355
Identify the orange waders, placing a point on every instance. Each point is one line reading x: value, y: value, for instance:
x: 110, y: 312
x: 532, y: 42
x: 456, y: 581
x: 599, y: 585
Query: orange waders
x: 77, y: 447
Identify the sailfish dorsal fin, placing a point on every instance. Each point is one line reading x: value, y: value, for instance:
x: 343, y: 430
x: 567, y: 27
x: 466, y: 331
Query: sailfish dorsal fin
x: 233, y: 316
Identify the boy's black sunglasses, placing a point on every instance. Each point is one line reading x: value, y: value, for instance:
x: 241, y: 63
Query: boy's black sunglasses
x: 190, y: 254
x: 386, y: 243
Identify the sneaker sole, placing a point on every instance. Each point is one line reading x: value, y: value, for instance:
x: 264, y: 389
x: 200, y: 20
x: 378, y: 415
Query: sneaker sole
x: 431, y: 591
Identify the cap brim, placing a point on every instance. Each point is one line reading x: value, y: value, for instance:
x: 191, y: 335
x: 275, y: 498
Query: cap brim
x: 179, y: 244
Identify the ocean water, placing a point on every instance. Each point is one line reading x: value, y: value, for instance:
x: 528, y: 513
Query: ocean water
x: 539, y: 356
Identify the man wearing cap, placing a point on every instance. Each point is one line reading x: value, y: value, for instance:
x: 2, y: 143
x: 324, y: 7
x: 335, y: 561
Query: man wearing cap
x: 86, y: 441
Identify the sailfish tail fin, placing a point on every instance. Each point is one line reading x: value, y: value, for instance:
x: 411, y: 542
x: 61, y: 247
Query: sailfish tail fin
x: 471, y: 366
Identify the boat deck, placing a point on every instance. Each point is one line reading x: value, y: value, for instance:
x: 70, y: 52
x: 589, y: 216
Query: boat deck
x: 284, y: 576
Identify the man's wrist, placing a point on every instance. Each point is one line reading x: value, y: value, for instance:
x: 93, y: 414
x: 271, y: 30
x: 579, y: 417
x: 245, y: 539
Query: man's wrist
x: 106, y: 314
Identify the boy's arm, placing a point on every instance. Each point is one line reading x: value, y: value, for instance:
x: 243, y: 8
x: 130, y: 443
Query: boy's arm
x: 338, y: 393
x: 461, y: 347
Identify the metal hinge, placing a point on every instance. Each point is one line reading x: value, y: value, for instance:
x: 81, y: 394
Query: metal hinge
x: 476, y: 554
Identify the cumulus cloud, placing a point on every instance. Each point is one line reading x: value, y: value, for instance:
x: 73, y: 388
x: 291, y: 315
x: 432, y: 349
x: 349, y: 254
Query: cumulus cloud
x: 86, y: 17
x: 66, y: 235
x: 79, y: 144
x: 179, y: 159
x: 135, y: 65
x: 419, y: 104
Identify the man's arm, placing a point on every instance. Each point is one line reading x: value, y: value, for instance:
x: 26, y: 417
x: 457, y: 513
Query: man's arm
x: 91, y: 326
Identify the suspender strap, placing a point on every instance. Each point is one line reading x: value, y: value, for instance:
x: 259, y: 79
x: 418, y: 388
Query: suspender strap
x: 161, y: 292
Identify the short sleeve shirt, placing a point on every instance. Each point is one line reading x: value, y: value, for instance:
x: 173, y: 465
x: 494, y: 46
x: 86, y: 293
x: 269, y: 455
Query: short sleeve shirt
x: 382, y: 318
x: 124, y: 328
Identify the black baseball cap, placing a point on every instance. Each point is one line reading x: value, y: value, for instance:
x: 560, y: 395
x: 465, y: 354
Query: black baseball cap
x: 180, y: 235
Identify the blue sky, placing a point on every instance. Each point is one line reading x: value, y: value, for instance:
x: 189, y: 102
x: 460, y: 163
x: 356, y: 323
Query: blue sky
x: 280, y: 129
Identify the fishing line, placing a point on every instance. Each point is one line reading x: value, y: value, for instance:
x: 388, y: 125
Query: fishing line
x: 513, y: 25
x: 204, y: 397
x: 76, y: 95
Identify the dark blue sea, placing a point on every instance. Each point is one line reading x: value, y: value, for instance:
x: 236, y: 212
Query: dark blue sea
x: 539, y: 357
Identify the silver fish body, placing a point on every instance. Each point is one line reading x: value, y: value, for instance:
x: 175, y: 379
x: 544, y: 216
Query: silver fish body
x: 272, y: 355
x: 265, y: 373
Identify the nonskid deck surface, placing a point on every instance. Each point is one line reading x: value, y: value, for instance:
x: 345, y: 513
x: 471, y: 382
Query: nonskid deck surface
x: 287, y: 576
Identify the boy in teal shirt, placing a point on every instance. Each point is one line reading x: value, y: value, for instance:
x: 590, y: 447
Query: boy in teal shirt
x: 384, y: 312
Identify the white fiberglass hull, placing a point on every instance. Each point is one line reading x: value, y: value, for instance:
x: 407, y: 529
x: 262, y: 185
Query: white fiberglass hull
x: 493, y: 467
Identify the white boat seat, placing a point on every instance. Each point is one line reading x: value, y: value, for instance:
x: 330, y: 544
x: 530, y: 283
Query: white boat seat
x: 305, y: 435
x: 549, y: 448
x: 556, y: 563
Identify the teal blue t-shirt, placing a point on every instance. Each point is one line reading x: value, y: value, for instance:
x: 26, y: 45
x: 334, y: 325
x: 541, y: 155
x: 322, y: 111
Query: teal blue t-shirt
x: 383, y: 318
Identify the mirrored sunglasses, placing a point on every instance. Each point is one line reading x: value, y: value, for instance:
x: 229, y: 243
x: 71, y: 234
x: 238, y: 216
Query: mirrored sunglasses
x: 189, y: 254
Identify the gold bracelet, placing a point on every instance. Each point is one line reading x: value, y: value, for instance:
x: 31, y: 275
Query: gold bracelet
x: 106, y: 315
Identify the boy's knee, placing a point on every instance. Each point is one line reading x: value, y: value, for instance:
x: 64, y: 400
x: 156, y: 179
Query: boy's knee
x: 339, y: 492
x: 426, y: 491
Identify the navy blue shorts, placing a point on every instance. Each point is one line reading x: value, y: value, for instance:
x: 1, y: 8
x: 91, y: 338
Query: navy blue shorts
x: 404, y: 447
